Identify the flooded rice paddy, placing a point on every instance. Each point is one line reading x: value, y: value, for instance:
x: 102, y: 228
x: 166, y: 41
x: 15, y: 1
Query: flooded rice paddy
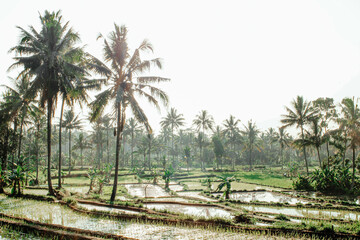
x: 306, y: 213
x: 57, y: 214
x: 263, y: 196
x: 198, y: 211
x: 146, y: 190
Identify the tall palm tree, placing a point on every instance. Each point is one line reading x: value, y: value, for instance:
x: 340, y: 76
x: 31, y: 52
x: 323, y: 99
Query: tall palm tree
x: 315, y: 137
x: 81, y: 143
x: 127, y: 82
x: 251, y: 139
x: 71, y: 122
x: 301, y: 113
x: 50, y: 59
x: 283, y: 138
x: 19, y: 104
x: 173, y: 120
x: 350, y: 122
x: 203, y: 121
x: 134, y: 129
x: 231, y: 132
x: 108, y: 125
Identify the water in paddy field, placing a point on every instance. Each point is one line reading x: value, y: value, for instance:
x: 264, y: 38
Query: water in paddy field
x: 107, y: 209
x: 146, y: 190
x: 198, y: 211
x: 308, y: 213
x: 263, y: 197
x: 57, y: 214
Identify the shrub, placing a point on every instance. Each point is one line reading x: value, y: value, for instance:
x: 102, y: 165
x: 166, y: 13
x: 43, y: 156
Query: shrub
x: 303, y: 183
x: 282, y: 217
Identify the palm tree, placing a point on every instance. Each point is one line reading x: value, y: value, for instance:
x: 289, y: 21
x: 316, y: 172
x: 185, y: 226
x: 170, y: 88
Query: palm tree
x: 50, y: 59
x: 251, y: 139
x: 71, y: 122
x: 19, y: 104
x: 283, y: 139
x: 126, y: 69
x: 81, y: 143
x: 173, y: 120
x: 134, y: 128
x: 203, y: 121
x: 315, y: 137
x: 350, y: 122
x: 231, y: 131
x: 108, y: 125
x: 301, y: 113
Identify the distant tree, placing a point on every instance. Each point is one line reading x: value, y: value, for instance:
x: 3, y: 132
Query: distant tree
x: 231, y: 132
x: 283, y: 139
x: 251, y: 142
x: 203, y: 121
x: 218, y: 150
x: 173, y: 120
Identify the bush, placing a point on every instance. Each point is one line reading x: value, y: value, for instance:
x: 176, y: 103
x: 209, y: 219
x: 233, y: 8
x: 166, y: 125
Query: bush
x: 303, y: 183
x: 282, y: 217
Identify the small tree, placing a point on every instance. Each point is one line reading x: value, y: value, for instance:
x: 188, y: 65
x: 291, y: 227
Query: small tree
x: 187, y: 153
x: 167, y: 175
x: 17, y: 177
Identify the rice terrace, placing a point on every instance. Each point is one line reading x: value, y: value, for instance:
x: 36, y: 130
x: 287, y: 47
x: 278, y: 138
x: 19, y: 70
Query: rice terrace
x: 180, y: 120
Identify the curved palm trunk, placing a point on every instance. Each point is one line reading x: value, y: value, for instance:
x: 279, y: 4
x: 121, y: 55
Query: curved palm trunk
x: 282, y: 157
x: 51, y: 191
x: 37, y: 154
x: 304, y: 151
x: 60, y: 129
x: 117, y: 153
x: 13, y: 152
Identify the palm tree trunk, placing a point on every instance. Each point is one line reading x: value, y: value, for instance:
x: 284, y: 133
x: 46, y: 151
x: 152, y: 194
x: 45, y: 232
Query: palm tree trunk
x: 123, y: 152
x: 20, y: 136
x: 282, y: 157
x: 60, y: 129
x: 250, y: 160
x: 149, y: 153
x: 81, y: 157
x: 69, y: 151
x: 353, y: 166
x: 120, y: 121
x: 318, y: 153
x: 304, y: 151
x: 13, y: 152
x: 132, y: 149
x: 49, y: 105
x: 107, y: 146
x: 37, y: 154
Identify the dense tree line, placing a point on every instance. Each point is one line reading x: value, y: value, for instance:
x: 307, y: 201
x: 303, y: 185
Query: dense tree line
x: 56, y: 71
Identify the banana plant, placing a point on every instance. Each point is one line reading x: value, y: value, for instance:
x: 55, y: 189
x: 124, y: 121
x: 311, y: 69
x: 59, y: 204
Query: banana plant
x: 167, y: 175
x: 226, y: 182
x: 17, y: 177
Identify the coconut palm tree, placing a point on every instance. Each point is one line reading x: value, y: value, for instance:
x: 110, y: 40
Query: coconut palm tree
x: 71, y: 122
x: 350, y: 122
x: 51, y: 60
x: 251, y: 142
x: 301, y: 113
x: 19, y: 104
x: 81, y: 143
x: 173, y: 120
x: 203, y: 121
x: 231, y: 132
x: 283, y: 138
x: 127, y: 83
x: 134, y: 129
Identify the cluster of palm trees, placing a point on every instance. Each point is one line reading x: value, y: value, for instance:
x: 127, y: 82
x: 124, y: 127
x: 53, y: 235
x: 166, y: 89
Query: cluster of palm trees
x: 52, y: 66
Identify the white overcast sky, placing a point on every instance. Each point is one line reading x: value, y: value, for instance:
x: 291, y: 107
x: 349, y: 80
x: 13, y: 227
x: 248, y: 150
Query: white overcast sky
x: 245, y: 58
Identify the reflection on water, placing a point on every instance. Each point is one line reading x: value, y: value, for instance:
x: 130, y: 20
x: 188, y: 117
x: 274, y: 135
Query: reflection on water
x: 146, y: 190
x: 106, y: 209
x: 263, y: 197
x: 199, y: 211
x: 57, y: 214
x: 310, y: 213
